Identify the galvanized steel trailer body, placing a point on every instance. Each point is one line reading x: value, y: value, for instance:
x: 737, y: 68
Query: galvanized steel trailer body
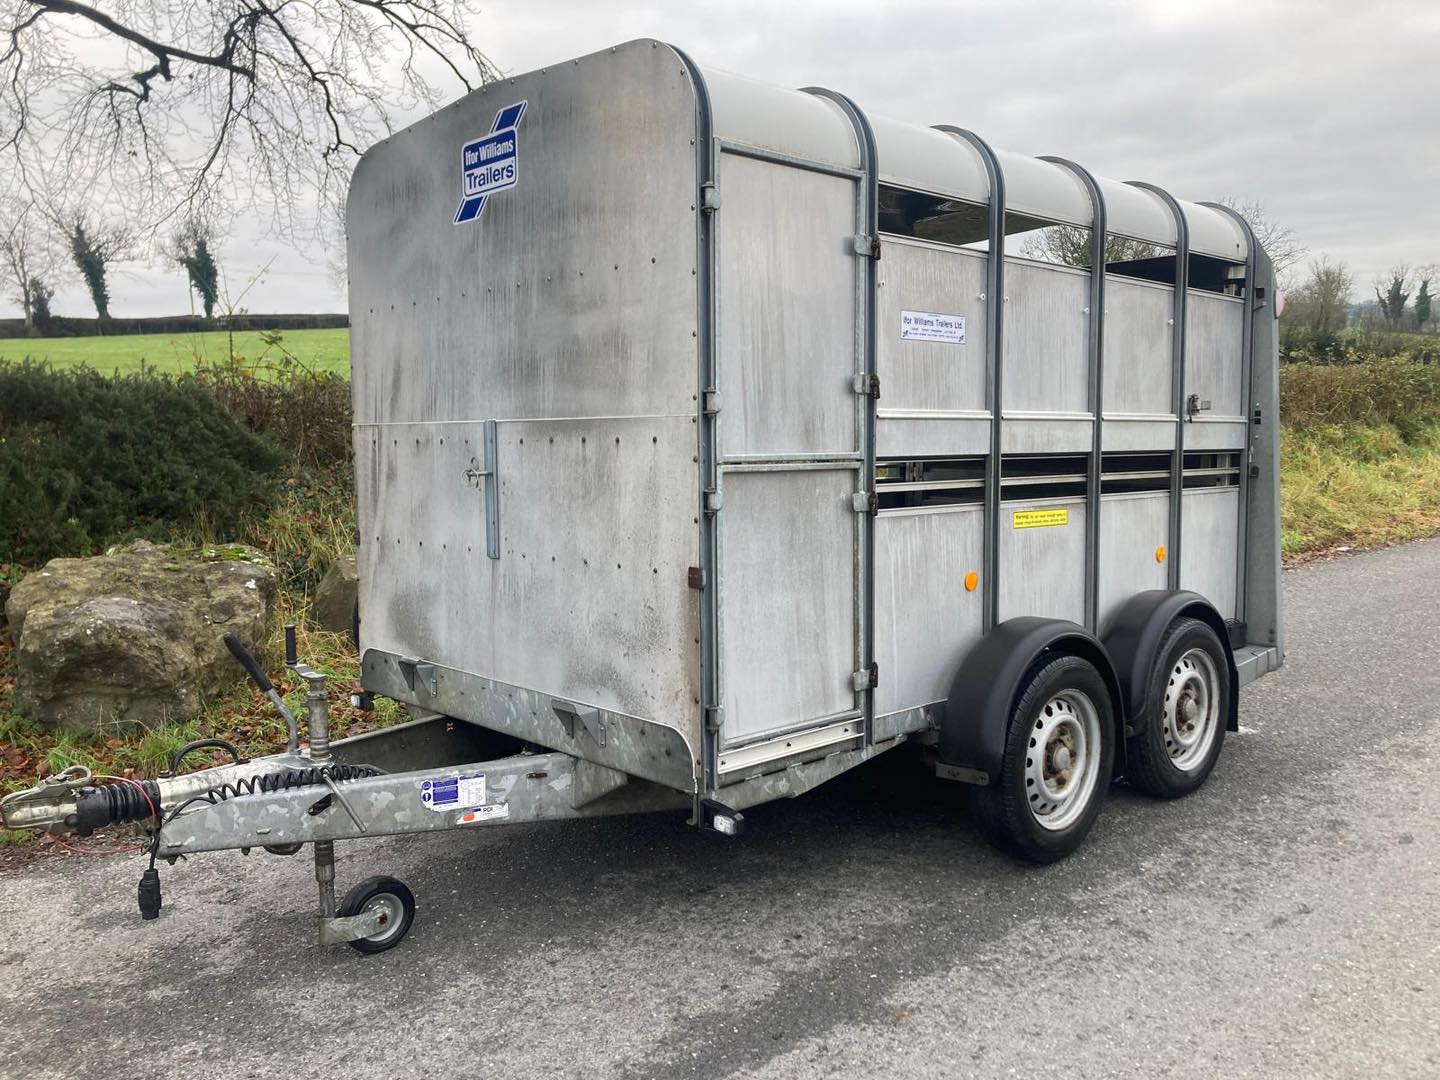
x: 799, y: 396
x: 654, y: 476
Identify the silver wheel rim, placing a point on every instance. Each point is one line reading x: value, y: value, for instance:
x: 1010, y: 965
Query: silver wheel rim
x: 391, y: 913
x: 1190, y: 715
x: 1062, y: 761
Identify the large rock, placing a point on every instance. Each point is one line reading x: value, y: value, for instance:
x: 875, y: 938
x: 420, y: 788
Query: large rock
x: 133, y: 637
x: 334, y: 606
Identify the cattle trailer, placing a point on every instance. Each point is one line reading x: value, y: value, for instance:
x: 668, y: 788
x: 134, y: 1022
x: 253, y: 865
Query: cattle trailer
x: 713, y: 438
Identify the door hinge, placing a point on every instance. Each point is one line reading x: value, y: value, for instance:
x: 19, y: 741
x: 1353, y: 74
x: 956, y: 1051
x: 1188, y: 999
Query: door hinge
x: 868, y: 247
x: 711, y: 402
x: 695, y: 578
x: 709, y: 197
x: 866, y: 502
x: 866, y: 678
x: 714, y: 718
x: 712, y: 501
x: 868, y: 386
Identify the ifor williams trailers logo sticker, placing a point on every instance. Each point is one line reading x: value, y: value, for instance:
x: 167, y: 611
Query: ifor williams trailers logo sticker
x: 491, y: 164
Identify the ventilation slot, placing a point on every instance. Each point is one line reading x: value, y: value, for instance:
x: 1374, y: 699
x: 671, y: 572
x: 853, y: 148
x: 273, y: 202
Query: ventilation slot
x: 926, y: 482
x: 1210, y: 469
x: 1043, y: 477
x: 1127, y: 474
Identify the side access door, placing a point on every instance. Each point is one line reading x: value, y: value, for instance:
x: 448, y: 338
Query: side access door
x: 790, y: 450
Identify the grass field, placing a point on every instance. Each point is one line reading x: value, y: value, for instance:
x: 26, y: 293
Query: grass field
x: 319, y: 350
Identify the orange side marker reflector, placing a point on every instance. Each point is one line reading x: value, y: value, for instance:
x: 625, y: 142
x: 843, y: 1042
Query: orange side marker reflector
x: 1160, y: 553
x: 971, y: 580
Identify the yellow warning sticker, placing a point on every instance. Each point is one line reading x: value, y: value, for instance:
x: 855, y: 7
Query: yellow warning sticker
x: 1042, y: 519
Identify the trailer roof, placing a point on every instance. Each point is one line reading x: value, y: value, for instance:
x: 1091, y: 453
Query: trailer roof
x: 814, y: 128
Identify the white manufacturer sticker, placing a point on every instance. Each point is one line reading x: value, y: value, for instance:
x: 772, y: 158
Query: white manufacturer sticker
x: 932, y: 326
x: 453, y: 792
x: 479, y: 815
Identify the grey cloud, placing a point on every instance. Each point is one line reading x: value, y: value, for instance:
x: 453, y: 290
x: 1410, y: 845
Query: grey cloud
x: 1328, y: 111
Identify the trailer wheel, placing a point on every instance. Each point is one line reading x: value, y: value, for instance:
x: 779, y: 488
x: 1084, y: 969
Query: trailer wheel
x: 395, y: 903
x: 1059, y: 750
x: 1177, y: 742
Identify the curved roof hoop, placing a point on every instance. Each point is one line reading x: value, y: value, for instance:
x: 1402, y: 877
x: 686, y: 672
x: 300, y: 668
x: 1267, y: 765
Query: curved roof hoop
x: 1177, y: 372
x: 868, y: 245
x: 707, y: 274
x: 1252, y: 269
x: 994, y: 353
x: 1096, y: 311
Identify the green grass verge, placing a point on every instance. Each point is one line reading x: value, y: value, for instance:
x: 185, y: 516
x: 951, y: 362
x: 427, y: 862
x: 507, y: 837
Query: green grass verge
x: 1364, y: 485
x: 316, y: 350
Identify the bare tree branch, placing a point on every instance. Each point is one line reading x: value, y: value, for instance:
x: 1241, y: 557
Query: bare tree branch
x: 153, y: 110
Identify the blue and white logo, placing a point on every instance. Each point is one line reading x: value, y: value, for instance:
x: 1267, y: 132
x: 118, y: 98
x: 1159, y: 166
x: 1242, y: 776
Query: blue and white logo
x: 490, y: 164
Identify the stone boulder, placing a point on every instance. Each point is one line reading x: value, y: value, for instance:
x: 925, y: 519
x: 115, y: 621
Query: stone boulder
x: 133, y: 637
x: 334, y: 605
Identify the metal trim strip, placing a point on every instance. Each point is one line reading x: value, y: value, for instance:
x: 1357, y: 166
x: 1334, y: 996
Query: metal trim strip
x: 932, y: 414
x: 900, y: 240
x: 798, y: 741
x: 776, y: 157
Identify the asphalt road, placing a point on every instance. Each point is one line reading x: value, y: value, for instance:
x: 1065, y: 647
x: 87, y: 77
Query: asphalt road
x: 1283, y: 921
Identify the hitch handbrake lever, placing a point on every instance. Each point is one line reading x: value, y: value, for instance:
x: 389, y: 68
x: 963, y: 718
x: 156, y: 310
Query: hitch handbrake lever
x: 258, y: 676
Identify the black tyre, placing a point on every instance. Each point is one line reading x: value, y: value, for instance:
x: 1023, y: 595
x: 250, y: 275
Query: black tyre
x: 396, y: 905
x: 1178, y: 740
x: 1059, y: 752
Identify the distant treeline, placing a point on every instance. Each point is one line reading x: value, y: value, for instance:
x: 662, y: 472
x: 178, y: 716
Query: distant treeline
x: 64, y: 326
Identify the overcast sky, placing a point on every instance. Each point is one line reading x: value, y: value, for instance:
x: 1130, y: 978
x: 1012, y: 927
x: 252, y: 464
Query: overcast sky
x: 1328, y: 111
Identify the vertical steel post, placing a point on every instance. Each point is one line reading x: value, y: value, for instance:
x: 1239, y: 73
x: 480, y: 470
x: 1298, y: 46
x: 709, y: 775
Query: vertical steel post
x: 1253, y: 300
x: 1097, y: 387
x: 1177, y: 376
x: 706, y: 281
x: 994, y: 363
x: 317, y: 705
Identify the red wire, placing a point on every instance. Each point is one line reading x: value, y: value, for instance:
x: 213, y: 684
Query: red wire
x: 104, y: 851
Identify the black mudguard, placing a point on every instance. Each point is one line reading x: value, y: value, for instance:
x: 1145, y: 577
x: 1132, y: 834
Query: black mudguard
x: 1133, y: 641
x: 990, y: 679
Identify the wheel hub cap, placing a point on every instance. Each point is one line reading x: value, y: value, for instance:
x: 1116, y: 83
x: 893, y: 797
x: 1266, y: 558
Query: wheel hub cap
x: 389, y: 915
x: 1191, y: 711
x: 1062, y: 759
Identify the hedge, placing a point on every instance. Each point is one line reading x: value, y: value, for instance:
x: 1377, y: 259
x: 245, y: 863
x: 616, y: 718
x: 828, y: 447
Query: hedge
x: 87, y: 460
